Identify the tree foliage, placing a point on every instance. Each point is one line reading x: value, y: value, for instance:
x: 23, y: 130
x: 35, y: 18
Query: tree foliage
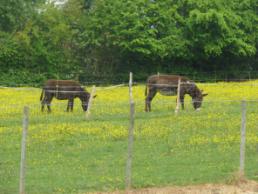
x: 109, y: 37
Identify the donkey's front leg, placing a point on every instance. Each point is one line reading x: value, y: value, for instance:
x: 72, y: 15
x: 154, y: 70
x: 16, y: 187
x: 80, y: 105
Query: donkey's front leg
x: 48, y: 108
x: 182, y: 102
x: 42, y: 105
x: 147, y: 105
x: 70, y: 105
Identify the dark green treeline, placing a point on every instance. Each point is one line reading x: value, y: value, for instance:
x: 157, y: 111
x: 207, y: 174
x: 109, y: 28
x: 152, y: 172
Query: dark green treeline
x: 103, y: 40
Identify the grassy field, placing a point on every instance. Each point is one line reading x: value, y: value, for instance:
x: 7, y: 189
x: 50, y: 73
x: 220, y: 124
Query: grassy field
x: 68, y: 154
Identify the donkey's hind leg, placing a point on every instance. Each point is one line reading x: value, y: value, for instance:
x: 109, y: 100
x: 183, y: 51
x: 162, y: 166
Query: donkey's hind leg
x: 43, y: 103
x: 48, y: 102
x: 148, y: 99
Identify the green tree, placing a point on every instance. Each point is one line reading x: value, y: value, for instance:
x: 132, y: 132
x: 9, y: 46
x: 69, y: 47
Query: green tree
x: 220, y: 32
x: 112, y: 37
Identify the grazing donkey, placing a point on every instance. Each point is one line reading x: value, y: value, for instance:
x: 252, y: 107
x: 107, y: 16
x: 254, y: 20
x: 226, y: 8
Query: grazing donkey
x: 64, y: 90
x: 167, y: 85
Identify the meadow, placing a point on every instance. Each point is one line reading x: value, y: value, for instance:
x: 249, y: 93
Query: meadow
x: 68, y: 154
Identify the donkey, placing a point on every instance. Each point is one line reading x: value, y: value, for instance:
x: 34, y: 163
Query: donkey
x: 63, y: 90
x: 167, y: 85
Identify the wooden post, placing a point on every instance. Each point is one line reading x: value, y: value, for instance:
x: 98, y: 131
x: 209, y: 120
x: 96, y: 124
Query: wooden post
x: 93, y: 91
x: 23, y: 149
x: 178, y: 96
x: 131, y: 87
x: 243, y: 137
x: 128, y: 178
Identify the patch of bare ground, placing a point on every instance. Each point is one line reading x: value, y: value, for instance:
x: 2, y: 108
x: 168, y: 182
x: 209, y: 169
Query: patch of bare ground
x: 240, y: 187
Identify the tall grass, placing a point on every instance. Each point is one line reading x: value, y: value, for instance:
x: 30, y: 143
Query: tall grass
x: 68, y: 154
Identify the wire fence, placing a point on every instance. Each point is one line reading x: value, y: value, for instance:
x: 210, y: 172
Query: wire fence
x: 88, y: 78
x: 67, y: 153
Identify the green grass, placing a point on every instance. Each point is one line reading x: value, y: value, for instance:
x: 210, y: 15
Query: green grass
x: 68, y: 154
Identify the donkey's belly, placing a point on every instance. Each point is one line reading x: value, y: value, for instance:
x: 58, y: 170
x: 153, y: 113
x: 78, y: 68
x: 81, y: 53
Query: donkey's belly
x: 61, y: 97
x: 64, y: 96
x: 168, y: 91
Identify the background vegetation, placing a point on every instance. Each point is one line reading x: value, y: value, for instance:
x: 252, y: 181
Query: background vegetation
x: 96, y: 39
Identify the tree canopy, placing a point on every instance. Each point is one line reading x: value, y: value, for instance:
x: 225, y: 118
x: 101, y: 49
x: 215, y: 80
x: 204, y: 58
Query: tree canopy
x: 39, y: 40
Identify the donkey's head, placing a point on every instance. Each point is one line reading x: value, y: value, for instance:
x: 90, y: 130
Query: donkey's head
x: 197, y: 99
x: 85, y: 97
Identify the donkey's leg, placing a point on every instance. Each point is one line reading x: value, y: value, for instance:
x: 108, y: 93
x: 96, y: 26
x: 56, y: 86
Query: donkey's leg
x: 43, y: 102
x: 146, y: 104
x: 151, y: 95
x: 49, y: 100
x: 182, y: 101
x: 70, y: 105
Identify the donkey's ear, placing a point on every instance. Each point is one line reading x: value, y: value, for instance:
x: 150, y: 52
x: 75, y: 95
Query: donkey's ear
x: 204, y: 95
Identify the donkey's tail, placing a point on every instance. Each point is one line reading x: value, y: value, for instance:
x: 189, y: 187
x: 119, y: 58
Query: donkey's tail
x: 42, y: 94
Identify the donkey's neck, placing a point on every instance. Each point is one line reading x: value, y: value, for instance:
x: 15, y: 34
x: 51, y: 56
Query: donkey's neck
x: 192, y: 90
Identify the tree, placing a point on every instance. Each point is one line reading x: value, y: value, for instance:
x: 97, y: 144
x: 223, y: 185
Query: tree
x: 221, y: 32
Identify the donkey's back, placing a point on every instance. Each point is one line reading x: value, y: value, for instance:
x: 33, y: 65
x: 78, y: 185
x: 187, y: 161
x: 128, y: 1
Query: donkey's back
x: 61, y: 83
x: 165, y: 79
x: 165, y: 82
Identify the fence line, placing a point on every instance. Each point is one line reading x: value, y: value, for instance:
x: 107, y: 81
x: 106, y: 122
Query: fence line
x: 243, y: 139
x: 90, y: 102
x: 178, y: 101
x: 101, y: 88
x: 23, y: 150
x: 128, y: 175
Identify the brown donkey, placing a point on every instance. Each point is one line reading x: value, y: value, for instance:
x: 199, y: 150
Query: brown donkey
x: 63, y: 90
x: 167, y: 85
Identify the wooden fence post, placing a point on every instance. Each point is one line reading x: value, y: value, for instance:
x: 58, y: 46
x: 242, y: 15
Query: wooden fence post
x: 23, y: 150
x: 178, y: 96
x: 128, y: 178
x: 243, y: 138
x: 92, y: 94
x: 131, y: 87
